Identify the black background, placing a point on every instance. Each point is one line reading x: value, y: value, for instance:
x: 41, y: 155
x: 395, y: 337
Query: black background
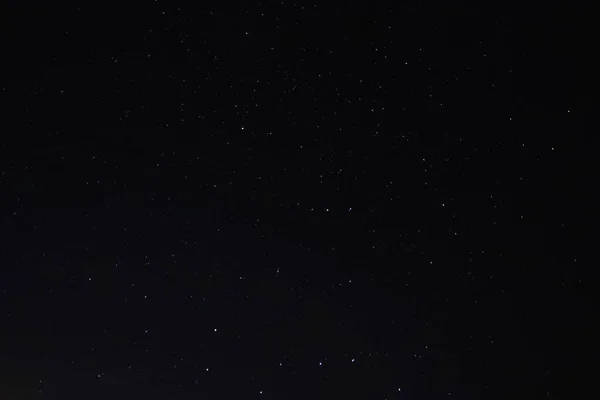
x: 402, y: 192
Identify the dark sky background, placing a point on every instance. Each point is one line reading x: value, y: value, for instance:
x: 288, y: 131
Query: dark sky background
x: 279, y: 200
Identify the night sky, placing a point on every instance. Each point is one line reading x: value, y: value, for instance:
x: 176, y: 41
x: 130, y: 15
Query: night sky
x: 285, y: 200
